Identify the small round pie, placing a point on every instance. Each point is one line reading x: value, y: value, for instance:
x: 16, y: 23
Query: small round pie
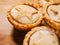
x: 52, y: 15
x: 25, y: 16
x: 41, y: 36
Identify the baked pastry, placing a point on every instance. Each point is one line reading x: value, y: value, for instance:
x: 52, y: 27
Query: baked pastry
x: 58, y: 33
x: 41, y: 36
x: 43, y: 2
x: 52, y: 15
x: 25, y: 16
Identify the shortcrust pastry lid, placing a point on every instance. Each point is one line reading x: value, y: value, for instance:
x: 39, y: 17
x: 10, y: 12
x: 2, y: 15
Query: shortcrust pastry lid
x: 53, y: 11
x: 41, y: 36
x: 25, y: 14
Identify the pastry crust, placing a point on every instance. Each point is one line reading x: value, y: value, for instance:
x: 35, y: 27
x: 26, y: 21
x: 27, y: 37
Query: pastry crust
x: 43, y: 2
x: 52, y: 23
x: 36, y: 29
x: 19, y: 26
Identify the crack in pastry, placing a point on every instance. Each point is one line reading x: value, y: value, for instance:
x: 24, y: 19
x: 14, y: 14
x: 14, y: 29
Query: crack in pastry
x: 41, y: 36
x: 53, y: 11
x: 21, y: 14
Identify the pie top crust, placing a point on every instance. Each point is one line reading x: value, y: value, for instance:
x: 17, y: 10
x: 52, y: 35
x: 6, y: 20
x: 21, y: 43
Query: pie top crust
x: 41, y: 36
x: 53, y: 11
x: 52, y: 15
x: 25, y: 14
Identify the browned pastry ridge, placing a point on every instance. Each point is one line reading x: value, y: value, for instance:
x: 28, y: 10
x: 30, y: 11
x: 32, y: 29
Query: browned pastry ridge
x: 20, y: 25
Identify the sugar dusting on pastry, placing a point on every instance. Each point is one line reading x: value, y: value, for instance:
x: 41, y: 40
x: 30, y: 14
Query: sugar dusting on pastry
x: 25, y: 14
x: 43, y: 37
x: 54, y: 12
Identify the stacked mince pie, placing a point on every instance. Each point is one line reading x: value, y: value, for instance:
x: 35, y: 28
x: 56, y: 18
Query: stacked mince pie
x: 29, y: 17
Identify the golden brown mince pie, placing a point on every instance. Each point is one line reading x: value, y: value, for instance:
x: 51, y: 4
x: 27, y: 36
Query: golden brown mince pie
x: 25, y: 16
x: 41, y: 36
x: 52, y: 15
